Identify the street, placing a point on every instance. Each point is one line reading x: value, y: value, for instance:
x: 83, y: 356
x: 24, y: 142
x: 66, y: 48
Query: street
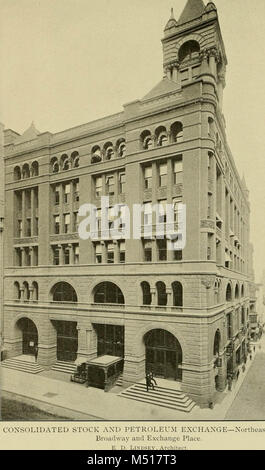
x: 249, y: 404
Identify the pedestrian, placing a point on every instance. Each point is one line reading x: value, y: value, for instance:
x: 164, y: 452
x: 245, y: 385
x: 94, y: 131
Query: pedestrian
x: 147, y: 381
x: 254, y: 348
x: 237, y: 375
x: 36, y: 352
x: 152, y: 379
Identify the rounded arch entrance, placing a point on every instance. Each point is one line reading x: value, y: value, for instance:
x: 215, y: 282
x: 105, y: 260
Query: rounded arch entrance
x: 163, y: 354
x: 29, y: 335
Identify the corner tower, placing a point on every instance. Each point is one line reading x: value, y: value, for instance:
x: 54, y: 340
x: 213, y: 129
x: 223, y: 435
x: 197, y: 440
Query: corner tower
x: 193, y: 47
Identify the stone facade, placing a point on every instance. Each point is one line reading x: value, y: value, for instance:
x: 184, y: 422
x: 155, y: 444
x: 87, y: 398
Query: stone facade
x: 179, y: 124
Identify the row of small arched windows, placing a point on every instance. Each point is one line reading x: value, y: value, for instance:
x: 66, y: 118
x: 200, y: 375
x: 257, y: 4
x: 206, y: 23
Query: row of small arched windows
x: 162, y: 136
x: 26, y: 171
x: 109, y: 151
x: 162, y: 293
x: 26, y: 291
x: 235, y: 293
x: 65, y: 162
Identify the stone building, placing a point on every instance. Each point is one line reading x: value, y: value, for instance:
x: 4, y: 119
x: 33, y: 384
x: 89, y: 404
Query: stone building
x: 185, y: 314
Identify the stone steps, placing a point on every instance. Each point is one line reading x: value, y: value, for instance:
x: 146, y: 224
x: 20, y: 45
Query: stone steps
x: 161, y: 396
x: 23, y: 366
x: 65, y: 367
x: 119, y: 382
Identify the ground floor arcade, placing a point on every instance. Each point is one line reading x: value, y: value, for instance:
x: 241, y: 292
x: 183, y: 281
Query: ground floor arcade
x: 194, y: 353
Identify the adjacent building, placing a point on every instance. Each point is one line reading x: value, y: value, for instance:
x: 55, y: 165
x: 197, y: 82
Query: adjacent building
x: 183, y: 314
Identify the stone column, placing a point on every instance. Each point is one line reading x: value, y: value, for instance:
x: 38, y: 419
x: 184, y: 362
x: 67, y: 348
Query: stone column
x: 87, y: 340
x: 32, y: 213
x: 170, y: 297
x: 60, y: 247
x: 116, y: 251
x: 72, y: 254
x: 23, y: 213
x: 104, y: 253
x: 153, y: 296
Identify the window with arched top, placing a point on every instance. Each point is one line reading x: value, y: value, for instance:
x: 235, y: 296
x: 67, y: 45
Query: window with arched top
x: 121, y: 148
x: 54, y: 165
x: 63, y: 292
x: 108, y: 151
x: 35, y: 293
x: 25, y: 171
x: 161, y: 136
x: 96, y: 154
x: 176, y: 132
x: 17, y: 292
x: 35, y: 169
x: 242, y: 291
x: 65, y: 162
x: 17, y: 173
x: 217, y: 343
x: 161, y: 293
x: 26, y: 291
x: 108, y: 293
x: 146, y: 140
x: 146, y: 292
x: 75, y: 159
x: 177, y: 290
x: 229, y: 293
x: 236, y: 292
x: 189, y: 50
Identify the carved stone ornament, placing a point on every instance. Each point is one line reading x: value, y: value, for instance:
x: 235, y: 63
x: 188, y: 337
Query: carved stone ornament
x: 208, y: 281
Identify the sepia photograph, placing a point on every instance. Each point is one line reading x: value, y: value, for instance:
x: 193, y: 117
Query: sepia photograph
x: 132, y: 259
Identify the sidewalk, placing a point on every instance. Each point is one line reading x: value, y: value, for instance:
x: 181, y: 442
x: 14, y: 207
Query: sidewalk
x: 75, y: 401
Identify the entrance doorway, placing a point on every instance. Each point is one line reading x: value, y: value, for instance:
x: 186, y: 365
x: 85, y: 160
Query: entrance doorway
x: 110, y: 340
x: 163, y: 354
x: 29, y: 335
x: 67, y: 340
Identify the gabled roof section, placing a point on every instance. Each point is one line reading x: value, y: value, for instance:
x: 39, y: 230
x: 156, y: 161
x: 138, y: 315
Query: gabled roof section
x: 163, y: 87
x: 30, y: 134
x: 192, y: 10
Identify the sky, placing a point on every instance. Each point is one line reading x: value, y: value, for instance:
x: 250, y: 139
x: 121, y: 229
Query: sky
x: 67, y: 62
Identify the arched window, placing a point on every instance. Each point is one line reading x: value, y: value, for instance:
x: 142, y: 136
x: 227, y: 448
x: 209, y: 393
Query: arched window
x: 17, y: 173
x: 176, y: 132
x: 242, y: 291
x: 177, y: 294
x: 146, y: 140
x: 216, y: 345
x: 237, y: 292
x: 35, y: 169
x: 108, y: 293
x: 147, y: 298
x: 35, y: 288
x: 65, y: 162
x: 26, y: 291
x: 188, y: 51
x: 108, y: 151
x: 121, y: 148
x: 64, y: 292
x: 161, y: 136
x: 75, y: 159
x: 229, y: 293
x: 211, y: 127
x: 161, y: 293
x: 96, y: 154
x: 17, y: 292
x: 25, y: 171
x: 54, y: 165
